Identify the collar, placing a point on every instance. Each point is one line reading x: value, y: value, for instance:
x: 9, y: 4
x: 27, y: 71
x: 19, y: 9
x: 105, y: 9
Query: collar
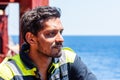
x: 25, y: 57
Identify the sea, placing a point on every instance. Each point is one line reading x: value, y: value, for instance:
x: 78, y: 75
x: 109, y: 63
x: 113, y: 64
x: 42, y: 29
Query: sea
x: 101, y: 54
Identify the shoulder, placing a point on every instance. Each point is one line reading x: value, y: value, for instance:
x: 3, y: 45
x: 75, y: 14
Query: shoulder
x: 6, y: 71
x: 68, y: 55
x: 76, y: 66
x: 72, y: 57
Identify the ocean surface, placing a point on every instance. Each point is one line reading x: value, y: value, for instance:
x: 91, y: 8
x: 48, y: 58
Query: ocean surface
x: 101, y: 54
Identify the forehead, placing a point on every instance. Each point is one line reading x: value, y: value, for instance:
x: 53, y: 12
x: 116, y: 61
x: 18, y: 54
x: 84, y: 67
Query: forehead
x: 54, y: 23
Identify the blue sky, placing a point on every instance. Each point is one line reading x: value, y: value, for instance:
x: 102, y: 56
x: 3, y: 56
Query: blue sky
x: 80, y: 17
x: 89, y: 17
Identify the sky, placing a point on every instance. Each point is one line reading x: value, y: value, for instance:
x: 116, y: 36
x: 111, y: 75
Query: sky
x: 12, y: 11
x: 81, y: 17
x: 89, y: 17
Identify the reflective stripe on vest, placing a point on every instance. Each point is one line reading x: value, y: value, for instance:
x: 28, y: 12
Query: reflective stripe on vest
x: 22, y: 67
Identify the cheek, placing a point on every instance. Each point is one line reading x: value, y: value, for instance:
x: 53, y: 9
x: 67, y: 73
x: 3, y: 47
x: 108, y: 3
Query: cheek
x: 48, y: 41
x: 42, y: 47
x: 46, y: 44
x: 45, y: 48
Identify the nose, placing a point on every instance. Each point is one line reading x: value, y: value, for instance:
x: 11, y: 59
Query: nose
x: 59, y: 38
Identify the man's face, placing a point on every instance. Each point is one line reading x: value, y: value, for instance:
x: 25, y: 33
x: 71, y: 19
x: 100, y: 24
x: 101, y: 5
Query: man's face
x: 49, y: 40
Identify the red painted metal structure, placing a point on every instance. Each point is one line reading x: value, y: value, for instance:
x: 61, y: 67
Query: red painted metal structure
x: 24, y: 6
x: 3, y: 36
x: 3, y: 32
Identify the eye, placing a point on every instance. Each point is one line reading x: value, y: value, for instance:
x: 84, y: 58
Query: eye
x: 51, y: 34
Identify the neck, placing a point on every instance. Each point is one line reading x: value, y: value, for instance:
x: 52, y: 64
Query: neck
x: 42, y: 62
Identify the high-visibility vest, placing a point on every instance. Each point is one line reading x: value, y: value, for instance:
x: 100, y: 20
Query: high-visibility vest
x: 14, y: 68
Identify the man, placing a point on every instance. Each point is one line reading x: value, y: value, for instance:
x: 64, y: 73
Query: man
x: 42, y: 56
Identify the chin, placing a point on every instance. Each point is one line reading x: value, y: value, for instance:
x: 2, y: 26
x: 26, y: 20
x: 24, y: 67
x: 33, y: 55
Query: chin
x: 58, y: 54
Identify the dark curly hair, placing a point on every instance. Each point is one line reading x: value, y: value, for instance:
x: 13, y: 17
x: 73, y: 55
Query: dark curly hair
x: 32, y: 20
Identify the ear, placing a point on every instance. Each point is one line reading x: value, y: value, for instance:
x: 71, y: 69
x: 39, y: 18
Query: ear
x: 30, y: 38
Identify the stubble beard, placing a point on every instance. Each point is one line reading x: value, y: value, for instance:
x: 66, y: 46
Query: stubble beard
x: 54, y: 52
x: 57, y: 53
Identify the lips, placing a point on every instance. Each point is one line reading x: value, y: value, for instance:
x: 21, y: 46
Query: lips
x: 58, y: 47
